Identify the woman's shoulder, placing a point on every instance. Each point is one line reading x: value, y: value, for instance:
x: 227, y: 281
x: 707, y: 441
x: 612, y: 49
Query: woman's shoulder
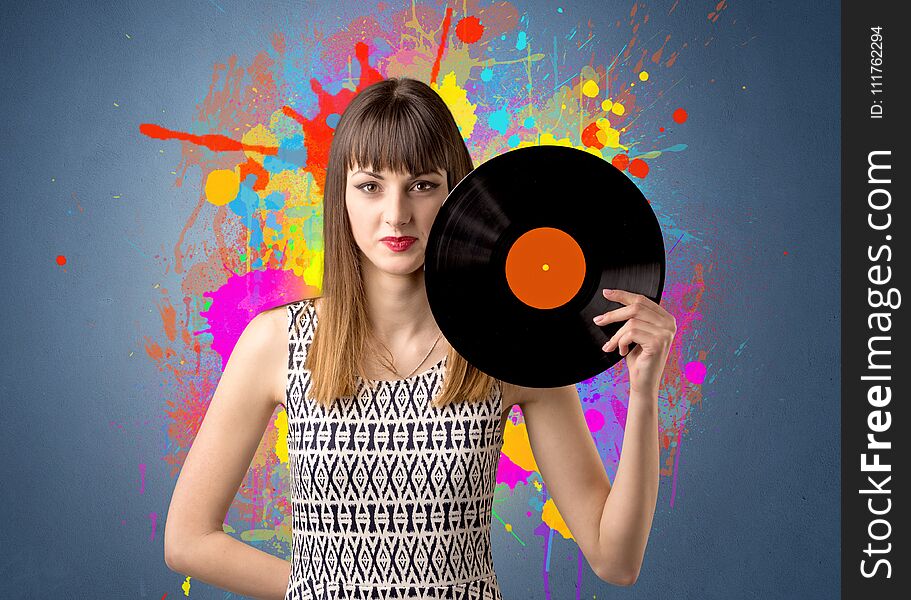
x: 266, y: 338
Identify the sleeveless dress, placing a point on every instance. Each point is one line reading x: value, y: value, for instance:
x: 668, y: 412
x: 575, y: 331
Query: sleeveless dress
x: 391, y: 498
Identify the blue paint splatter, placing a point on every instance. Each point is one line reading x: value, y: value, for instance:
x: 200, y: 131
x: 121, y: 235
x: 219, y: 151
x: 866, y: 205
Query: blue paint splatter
x: 499, y: 120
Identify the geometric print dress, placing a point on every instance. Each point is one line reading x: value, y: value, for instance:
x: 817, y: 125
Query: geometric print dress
x: 391, y: 497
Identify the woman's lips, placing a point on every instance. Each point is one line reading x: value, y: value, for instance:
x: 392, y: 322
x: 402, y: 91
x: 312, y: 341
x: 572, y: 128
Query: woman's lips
x: 399, y: 244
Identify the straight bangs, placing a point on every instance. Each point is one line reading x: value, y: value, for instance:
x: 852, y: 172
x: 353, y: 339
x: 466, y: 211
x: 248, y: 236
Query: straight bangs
x: 397, y: 137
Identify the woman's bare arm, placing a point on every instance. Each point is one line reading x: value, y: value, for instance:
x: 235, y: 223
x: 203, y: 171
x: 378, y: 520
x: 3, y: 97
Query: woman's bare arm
x: 195, y: 543
x: 610, y: 523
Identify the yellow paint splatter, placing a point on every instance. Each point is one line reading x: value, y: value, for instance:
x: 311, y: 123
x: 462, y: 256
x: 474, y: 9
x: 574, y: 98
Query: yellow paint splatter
x: 618, y: 109
x: 259, y: 136
x: 607, y: 135
x: 281, y: 441
x: 605, y: 106
x: 508, y: 527
x: 456, y: 98
x: 186, y: 587
x: 643, y: 76
x: 590, y: 88
x: 548, y: 139
x: 257, y: 535
x: 222, y: 186
x: 551, y: 516
x: 516, y: 446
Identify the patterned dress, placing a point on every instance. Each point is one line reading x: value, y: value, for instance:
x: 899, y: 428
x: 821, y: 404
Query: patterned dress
x: 391, y: 497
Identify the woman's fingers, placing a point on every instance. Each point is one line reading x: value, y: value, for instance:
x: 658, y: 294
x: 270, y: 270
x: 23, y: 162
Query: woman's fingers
x: 634, y: 330
x: 637, y: 308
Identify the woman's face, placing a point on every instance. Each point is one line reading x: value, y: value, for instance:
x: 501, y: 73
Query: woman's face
x: 393, y: 205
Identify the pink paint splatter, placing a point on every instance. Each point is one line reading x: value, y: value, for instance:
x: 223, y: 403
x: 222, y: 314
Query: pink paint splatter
x: 594, y: 419
x: 510, y: 473
x: 695, y: 372
x: 619, y: 411
x: 243, y: 297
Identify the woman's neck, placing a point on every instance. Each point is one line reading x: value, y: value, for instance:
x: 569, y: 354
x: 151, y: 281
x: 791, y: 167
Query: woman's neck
x: 398, y: 309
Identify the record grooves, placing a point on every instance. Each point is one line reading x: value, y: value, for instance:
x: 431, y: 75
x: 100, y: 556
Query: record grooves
x: 519, y: 253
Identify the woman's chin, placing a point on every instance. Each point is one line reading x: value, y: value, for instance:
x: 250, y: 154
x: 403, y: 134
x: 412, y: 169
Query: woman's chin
x: 401, y: 267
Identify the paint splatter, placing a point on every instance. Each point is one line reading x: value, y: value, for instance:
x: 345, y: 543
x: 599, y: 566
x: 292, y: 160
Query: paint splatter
x: 695, y: 372
x: 469, y: 29
x: 638, y: 167
x: 260, y: 144
x: 594, y: 419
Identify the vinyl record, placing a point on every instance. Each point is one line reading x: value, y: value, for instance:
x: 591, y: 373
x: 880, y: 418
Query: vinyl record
x: 520, y: 252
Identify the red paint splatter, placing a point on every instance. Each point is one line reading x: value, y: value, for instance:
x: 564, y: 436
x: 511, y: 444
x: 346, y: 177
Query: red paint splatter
x: 469, y: 30
x: 436, y: 64
x: 590, y: 136
x: 785, y: 252
x: 638, y: 168
x: 61, y: 259
x: 212, y: 141
x: 661, y: 129
x: 257, y: 170
x: 621, y: 161
x: 679, y: 115
x: 317, y: 134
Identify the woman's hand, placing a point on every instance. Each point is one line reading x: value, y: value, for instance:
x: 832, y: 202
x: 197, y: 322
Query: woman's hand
x: 647, y: 325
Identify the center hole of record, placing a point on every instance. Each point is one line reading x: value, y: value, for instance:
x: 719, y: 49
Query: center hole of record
x: 545, y: 267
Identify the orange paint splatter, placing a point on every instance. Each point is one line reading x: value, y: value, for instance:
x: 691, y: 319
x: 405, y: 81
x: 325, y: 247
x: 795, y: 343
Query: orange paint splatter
x: 436, y: 64
x: 679, y: 115
x: 168, y: 319
x: 638, y: 168
x: 469, y: 30
x: 212, y: 141
x: 621, y: 161
x: 656, y: 56
x: 713, y: 16
x: 61, y: 259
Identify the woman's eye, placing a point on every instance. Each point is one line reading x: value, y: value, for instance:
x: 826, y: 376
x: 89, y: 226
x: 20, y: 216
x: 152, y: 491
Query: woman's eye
x: 427, y: 183
x: 369, y: 186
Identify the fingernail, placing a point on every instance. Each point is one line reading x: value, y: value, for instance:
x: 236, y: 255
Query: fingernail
x: 597, y: 319
x: 607, y: 291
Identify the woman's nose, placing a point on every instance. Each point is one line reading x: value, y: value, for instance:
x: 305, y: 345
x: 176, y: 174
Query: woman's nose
x: 397, y: 210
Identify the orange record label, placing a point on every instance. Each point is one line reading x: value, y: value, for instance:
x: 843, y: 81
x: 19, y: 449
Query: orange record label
x: 545, y: 267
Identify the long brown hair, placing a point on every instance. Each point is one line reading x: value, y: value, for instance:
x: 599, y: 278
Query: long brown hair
x: 403, y: 125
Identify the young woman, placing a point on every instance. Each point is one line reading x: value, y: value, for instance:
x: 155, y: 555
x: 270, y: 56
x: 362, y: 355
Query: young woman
x: 394, y: 438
